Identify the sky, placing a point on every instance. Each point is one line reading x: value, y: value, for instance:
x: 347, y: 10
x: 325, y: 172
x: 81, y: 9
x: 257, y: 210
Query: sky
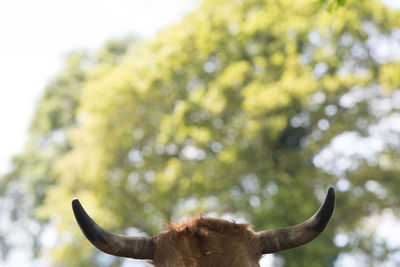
x: 35, y: 37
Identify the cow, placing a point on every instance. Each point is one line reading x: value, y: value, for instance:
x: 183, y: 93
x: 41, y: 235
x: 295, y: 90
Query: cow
x: 206, y: 241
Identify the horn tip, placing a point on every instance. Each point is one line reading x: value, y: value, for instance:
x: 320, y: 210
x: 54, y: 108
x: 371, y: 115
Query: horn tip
x: 330, y: 197
x: 76, y: 204
x: 89, y: 228
x: 331, y: 190
x: 325, y: 212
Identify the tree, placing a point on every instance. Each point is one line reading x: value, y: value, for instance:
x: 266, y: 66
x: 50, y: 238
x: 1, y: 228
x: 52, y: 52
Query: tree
x: 235, y: 112
x: 332, y: 3
x: 25, y: 186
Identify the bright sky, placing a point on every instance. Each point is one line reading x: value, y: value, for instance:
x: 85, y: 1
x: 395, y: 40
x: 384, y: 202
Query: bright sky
x: 36, y: 35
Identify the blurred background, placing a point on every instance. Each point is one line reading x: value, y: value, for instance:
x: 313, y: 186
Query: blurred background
x: 150, y: 110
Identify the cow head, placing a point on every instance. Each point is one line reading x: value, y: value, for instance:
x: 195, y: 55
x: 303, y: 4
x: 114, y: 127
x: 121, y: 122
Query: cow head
x: 206, y: 241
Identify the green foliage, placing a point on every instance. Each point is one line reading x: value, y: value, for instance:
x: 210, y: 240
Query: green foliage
x: 330, y: 4
x: 224, y: 114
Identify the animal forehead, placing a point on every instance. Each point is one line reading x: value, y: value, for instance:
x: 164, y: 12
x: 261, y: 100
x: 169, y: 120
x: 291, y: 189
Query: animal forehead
x: 198, y: 225
x: 208, y: 242
x: 213, y: 236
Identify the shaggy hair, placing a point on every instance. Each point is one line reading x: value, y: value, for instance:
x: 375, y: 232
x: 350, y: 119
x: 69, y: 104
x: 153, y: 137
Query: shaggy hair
x: 207, y: 242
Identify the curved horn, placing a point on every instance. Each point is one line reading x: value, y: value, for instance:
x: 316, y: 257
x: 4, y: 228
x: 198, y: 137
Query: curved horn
x: 117, y: 245
x: 294, y: 236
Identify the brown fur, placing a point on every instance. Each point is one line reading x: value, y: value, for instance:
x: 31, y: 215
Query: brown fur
x: 207, y: 242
